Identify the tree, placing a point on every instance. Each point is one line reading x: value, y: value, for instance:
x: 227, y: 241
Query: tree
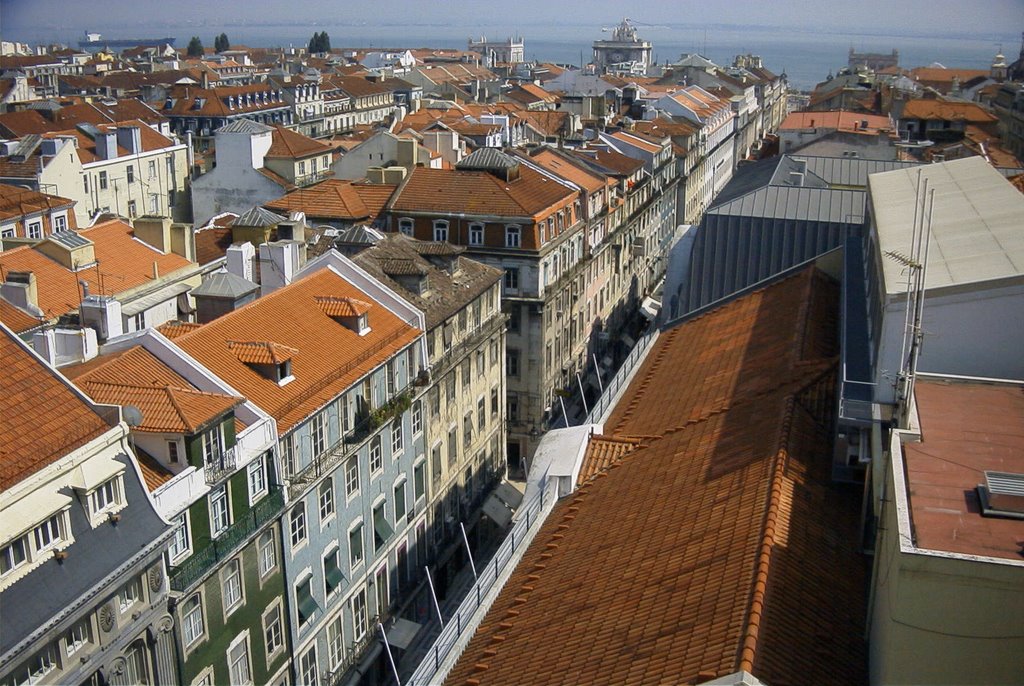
x: 320, y: 42
x: 220, y: 43
x: 195, y: 47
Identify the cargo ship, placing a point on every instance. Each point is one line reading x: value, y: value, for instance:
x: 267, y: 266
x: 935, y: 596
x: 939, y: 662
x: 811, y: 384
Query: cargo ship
x: 95, y: 40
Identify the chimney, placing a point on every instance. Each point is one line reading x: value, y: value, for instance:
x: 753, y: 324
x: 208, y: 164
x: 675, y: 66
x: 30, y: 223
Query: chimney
x: 407, y: 149
x: 130, y: 138
x: 20, y: 290
x: 239, y: 260
x: 279, y: 261
x: 106, y: 145
x: 102, y: 314
x: 394, y: 175
x: 375, y: 175
x: 156, y: 231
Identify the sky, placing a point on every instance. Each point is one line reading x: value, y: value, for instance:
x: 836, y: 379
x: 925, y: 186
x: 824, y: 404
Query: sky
x: 907, y: 17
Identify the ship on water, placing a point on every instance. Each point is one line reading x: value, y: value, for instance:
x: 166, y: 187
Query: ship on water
x: 95, y: 40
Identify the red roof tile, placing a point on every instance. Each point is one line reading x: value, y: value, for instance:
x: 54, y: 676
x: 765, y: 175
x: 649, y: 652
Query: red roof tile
x: 718, y: 543
x: 342, y: 307
x: 261, y: 352
x: 43, y: 417
x: 292, y: 144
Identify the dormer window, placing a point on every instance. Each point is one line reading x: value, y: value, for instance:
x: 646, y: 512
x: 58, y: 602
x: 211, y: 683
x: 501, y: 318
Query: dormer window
x: 106, y: 498
x: 351, y: 313
x: 270, y: 360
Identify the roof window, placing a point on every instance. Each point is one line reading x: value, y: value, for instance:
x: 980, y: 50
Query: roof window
x: 351, y: 313
x: 270, y: 360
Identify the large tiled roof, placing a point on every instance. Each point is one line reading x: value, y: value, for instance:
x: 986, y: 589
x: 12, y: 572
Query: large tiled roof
x: 122, y: 263
x: 479, y: 193
x: 292, y: 144
x: 328, y: 356
x: 947, y: 111
x: 337, y: 199
x: 150, y: 139
x: 717, y: 544
x: 43, y: 418
x: 840, y: 120
x: 16, y: 319
x: 609, y: 161
x: 569, y: 169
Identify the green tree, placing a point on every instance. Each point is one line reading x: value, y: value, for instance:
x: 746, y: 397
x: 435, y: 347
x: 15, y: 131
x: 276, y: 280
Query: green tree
x: 221, y: 43
x: 195, y: 47
x: 320, y: 42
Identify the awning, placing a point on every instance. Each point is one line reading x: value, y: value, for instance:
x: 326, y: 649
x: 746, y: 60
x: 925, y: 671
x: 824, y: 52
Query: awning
x: 334, y: 575
x: 130, y: 309
x: 307, y: 604
x: 402, y: 633
x: 381, y: 527
x: 94, y: 471
x: 650, y: 308
x: 502, y: 502
x: 509, y: 494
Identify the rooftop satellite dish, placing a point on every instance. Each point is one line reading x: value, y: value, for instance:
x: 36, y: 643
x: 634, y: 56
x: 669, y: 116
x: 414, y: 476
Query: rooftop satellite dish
x: 132, y: 415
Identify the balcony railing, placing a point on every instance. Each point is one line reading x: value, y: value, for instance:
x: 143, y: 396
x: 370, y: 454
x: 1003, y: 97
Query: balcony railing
x: 220, y: 468
x: 183, y: 576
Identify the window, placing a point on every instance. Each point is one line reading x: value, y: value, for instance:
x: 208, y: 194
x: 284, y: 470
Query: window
x: 511, y: 362
x: 481, y: 362
x: 449, y: 388
x: 318, y: 430
x: 359, y: 614
x: 481, y: 414
x: 139, y: 321
x: 152, y: 168
x: 376, y: 459
x: 476, y: 234
x: 391, y: 377
x: 130, y: 173
x: 512, y: 407
x: 513, y: 235
x: 220, y: 510
x: 417, y: 417
x: 302, y: 167
x: 352, y: 477
x: 129, y: 594
x: 35, y: 229
x: 287, y: 451
x: 192, y: 619
x: 85, y: 182
x: 231, y: 586
x: 326, y: 498
x: 273, y: 635
x: 333, y: 575
x: 297, y: 524
x: 103, y: 180
x: 396, y: 438
x: 494, y: 400
x: 453, y: 446
x: 511, y: 278
x: 381, y: 586
x: 213, y: 446
x: 257, y: 479
x: 355, y: 545
x: 440, y: 230
x: 172, y: 452
x: 180, y: 544
x: 335, y: 643
x: 514, y: 319
x: 308, y: 669
x: 382, y: 530
x: 238, y: 661
x: 304, y: 601
x: 420, y: 480
x: 467, y: 429
x: 48, y: 534
x: 399, y: 501
x: 268, y: 553
x: 154, y: 203
x: 31, y: 672
x: 106, y: 496
x: 405, y: 226
x: 467, y: 372
x: 76, y: 637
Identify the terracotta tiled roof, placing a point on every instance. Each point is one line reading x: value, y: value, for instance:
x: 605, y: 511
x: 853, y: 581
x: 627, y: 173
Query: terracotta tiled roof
x: 942, y: 75
x: 17, y: 320
x: 167, y: 401
x: 602, y: 453
x: 123, y: 263
x: 212, y: 243
x: 43, y: 417
x: 328, y: 358
x: 719, y: 543
x: 16, y: 201
x: 342, y: 307
x: 1018, y: 182
x: 840, y: 120
x: 154, y: 474
x: 569, y: 169
x: 336, y: 199
x: 610, y: 161
x: 966, y: 429
x: 151, y: 140
x: 173, y: 329
x: 261, y: 352
x: 288, y: 143
x: 23, y: 123
x: 479, y: 193
x: 947, y: 111
x: 636, y: 142
x: 277, y: 178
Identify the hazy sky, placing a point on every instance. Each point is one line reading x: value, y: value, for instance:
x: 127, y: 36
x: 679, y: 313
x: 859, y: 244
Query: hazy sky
x: 887, y: 16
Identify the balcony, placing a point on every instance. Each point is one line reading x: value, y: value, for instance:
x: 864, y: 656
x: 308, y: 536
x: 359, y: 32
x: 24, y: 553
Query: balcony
x: 314, y: 177
x: 183, y: 576
x: 220, y: 467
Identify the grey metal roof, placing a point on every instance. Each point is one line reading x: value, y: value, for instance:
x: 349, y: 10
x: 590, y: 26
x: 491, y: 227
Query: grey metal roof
x: 486, y: 159
x: 96, y: 553
x: 257, y: 216
x: 224, y: 284
x: 244, y: 126
x: 359, y: 235
x: 977, y: 223
x: 69, y: 239
x: 849, y: 171
x: 801, y: 204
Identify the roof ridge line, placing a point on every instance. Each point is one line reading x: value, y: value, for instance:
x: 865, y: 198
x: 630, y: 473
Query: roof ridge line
x: 177, y: 408
x: 755, y: 610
